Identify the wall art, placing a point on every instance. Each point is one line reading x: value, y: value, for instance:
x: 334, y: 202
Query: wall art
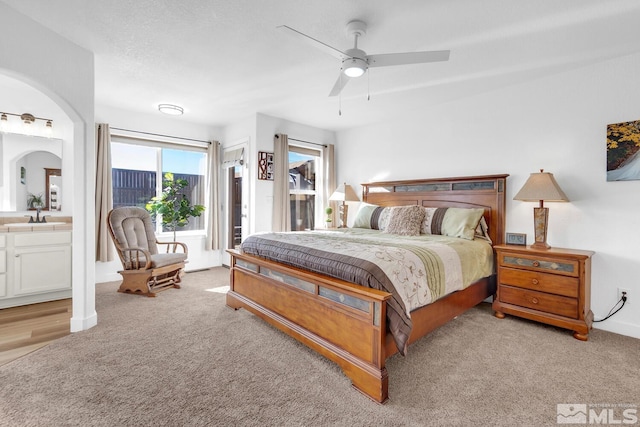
x: 265, y: 165
x: 623, y: 151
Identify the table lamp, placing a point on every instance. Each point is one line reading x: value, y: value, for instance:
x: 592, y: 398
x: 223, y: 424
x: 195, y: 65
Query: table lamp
x: 344, y: 193
x: 541, y: 187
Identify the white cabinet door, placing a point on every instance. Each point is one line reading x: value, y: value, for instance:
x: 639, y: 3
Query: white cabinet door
x: 41, y: 269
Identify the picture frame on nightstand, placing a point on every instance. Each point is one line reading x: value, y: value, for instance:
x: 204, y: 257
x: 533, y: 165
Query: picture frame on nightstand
x: 519, y: 239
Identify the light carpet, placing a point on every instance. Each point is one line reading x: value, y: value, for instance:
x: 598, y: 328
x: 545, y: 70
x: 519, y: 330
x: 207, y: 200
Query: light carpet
x: 185, y: 359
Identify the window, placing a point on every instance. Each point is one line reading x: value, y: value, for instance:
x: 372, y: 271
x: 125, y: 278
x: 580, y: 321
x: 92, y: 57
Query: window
x: 138, y: 168
x: 305, y: 182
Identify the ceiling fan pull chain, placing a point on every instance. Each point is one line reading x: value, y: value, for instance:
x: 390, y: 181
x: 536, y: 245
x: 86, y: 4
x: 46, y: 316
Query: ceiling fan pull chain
x: 368, y: 85
x: 340, y: 95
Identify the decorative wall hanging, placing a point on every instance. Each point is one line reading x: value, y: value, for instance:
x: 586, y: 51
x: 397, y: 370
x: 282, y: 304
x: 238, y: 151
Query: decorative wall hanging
x: 265, y: 165
x: 623, y: 148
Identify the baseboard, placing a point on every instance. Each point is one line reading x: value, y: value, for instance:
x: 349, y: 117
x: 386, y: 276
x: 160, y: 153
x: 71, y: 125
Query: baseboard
x: 82, y: 324
x: 114, y: 277
x: 622, y: 328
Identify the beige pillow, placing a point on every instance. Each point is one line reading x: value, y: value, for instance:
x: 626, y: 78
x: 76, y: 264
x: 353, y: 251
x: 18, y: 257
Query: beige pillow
x: 461, y: 222
x: 405, y: 220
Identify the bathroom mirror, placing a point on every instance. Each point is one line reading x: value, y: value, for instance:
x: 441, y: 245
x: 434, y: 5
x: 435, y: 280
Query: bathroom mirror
x: 29, y: 166
x: 53, y: 186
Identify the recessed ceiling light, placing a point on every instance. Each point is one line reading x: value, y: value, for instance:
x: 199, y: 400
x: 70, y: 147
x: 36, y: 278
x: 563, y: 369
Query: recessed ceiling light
x: 171, y: 109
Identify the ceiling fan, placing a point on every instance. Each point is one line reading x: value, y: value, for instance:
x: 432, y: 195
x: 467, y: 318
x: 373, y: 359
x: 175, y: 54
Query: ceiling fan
x: 355, y: 62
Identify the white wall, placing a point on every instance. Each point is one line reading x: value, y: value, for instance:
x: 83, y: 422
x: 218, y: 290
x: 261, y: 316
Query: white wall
x: 200, y: 256
x: 557, y: 123
x: 259, y: 131
x: 64, y: 72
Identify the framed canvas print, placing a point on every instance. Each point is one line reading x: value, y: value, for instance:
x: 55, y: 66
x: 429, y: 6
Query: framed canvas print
x: 516, y: 239
x: 623, y: 151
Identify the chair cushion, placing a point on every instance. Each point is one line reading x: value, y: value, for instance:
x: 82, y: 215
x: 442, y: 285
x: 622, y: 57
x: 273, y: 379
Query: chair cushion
x: 132, y: 227
x: 160, y: 260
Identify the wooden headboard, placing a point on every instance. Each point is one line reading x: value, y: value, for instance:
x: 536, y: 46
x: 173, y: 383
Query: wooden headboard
x: 487, y: 192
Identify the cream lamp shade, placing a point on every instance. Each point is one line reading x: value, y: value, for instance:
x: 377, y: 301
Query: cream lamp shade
x: 344, y: 193
x: 541, y: 187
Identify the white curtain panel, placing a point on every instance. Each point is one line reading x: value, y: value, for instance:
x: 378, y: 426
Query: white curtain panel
x: 330, y: 180
x: 281, y: 220
x: 104, y: 193
x: 213, y: 233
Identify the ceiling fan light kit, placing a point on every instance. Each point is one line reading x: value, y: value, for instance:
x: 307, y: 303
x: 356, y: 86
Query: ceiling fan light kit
x: 355, y: 62
x: 354, y: 67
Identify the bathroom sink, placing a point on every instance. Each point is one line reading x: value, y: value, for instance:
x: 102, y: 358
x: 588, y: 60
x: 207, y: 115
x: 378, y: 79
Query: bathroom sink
x: 33, y: 224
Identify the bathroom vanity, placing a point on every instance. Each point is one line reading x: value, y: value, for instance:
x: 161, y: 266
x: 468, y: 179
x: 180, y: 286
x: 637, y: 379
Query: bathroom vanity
x: 35, y: 263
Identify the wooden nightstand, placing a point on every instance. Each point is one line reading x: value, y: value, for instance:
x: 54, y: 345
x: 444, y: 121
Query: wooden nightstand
x: 552, y: 286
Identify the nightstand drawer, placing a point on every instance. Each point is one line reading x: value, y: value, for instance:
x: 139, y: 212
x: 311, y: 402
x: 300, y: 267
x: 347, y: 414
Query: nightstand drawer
x: 543, y: 282
x: 540, y: 263
x: 562, y: 306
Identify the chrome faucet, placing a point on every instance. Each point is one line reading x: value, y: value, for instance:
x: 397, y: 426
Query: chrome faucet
x: 38, y: 220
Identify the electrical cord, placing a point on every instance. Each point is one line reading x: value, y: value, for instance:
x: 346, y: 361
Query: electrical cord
x: 623, y: 299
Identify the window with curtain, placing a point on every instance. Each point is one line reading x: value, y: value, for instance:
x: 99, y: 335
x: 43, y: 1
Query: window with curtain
x: 139, y: 166
x: 305, y: 184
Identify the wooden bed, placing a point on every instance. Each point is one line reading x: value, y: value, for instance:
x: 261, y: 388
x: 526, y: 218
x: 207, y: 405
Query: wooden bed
x: 327, y: 314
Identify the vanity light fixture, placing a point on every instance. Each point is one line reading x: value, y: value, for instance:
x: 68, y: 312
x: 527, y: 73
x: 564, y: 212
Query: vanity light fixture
x: 174, y: 110
x: 28, y: 124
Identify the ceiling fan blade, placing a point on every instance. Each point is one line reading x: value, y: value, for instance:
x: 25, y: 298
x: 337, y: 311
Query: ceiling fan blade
x: 387, y: 59
x: 340, y: 84
x: 310, y: 40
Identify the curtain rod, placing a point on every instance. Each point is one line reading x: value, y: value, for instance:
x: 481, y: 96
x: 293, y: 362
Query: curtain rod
x: 307, y: 142
x: 159, y: 134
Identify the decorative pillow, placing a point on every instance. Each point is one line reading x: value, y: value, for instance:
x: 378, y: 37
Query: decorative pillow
x: 405, y: 220
x: 482, y: 231
x: 433, y: 218
x: 363, y: 216
x: 461, y: 222
x: 429, y: 226
x: 454, y: 222
x: 371, y: 216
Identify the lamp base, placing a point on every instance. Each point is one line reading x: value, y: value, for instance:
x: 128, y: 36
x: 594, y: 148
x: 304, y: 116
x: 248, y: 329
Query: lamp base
x: 540, y: 219
x: 344, y: 215
x: 541, y: 245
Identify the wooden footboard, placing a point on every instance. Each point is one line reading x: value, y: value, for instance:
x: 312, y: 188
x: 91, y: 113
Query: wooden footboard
x: 344, y: 322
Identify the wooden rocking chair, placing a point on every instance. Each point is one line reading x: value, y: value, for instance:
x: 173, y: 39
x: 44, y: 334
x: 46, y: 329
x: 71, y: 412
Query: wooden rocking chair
x: 145, y: 270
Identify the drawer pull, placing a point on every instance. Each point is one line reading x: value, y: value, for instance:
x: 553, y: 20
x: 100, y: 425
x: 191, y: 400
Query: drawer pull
x: 534, y: 300
x: 535, y: 281
x: 536, y: 263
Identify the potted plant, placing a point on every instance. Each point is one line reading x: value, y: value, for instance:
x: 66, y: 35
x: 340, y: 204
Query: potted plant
x: 329, y: 212
x: 35, y: 201
x: 173, y: 206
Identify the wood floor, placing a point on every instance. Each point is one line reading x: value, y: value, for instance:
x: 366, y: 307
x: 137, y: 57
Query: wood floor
x: 27, y: 328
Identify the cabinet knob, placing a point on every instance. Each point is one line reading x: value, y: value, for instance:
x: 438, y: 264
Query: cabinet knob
x: 536, y: 263
x: 534, y: 300
x: 535, y: 281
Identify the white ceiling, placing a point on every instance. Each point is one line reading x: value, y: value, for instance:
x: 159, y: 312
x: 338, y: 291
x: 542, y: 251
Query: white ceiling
x: 223, y: 60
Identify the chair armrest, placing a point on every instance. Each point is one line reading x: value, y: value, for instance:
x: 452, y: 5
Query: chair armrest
x: 134, y: 258
x: 175, y: 246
